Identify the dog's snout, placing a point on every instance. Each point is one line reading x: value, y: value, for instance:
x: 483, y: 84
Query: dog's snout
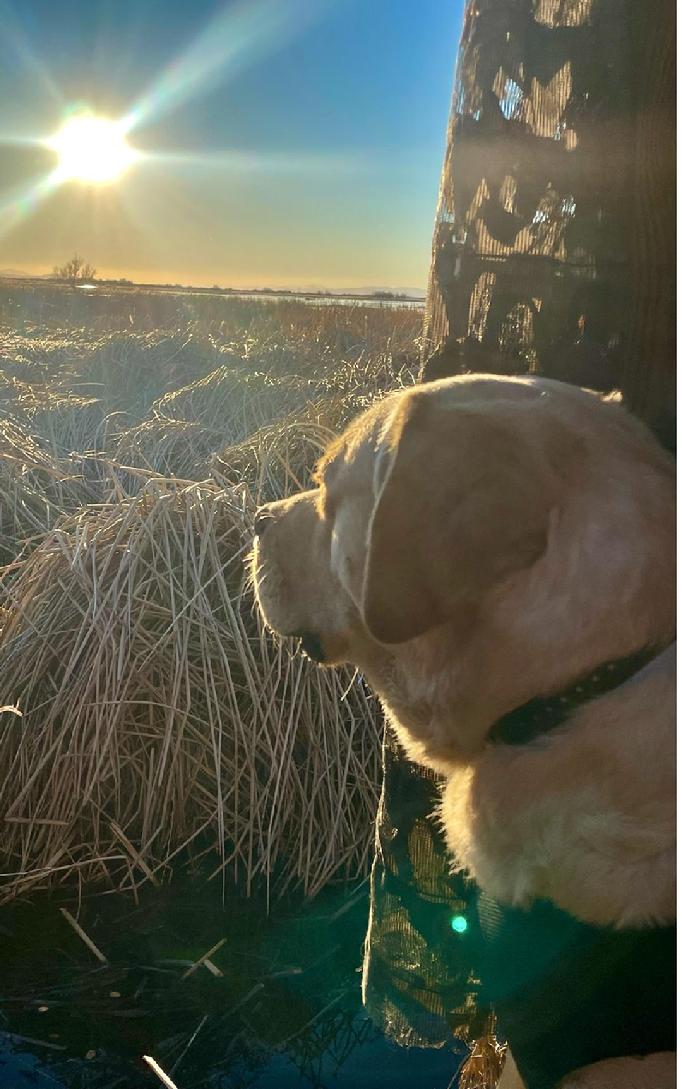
x: 262, y: 520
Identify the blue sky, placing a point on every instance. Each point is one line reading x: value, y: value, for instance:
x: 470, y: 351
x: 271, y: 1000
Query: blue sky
x: 337, y: 110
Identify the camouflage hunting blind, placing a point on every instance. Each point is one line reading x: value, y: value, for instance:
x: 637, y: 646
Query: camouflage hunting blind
x: 553, y: 254
x: 554, y: 247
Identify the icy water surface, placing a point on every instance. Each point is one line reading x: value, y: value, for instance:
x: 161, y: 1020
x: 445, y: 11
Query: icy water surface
x: 280, y: 1009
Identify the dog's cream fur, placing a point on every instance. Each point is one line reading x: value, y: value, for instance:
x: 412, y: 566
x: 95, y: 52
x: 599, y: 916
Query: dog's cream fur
x: 472, y: 544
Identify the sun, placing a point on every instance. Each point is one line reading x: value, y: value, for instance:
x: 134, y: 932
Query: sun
x: 92, y: 149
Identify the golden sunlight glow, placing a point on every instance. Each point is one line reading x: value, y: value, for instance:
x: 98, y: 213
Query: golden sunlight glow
x: 92, y: 149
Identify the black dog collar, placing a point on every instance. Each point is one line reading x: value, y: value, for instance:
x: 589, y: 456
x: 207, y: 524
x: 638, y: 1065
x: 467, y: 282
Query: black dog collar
x: 540, y: 715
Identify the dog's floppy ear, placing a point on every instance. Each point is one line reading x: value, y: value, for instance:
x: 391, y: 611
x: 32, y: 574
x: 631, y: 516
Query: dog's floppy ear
x: 461, y: 500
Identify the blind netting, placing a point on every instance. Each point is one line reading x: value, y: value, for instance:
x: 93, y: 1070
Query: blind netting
x: 553, y: 254
x: 554, y: 247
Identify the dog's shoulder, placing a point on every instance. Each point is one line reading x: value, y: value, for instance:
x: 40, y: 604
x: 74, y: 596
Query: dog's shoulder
x: 585, y: 815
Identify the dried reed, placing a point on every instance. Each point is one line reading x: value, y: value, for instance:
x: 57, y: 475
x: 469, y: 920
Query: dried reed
x: 35, y: 490
x: 146, y: 720
x: 153, y: 704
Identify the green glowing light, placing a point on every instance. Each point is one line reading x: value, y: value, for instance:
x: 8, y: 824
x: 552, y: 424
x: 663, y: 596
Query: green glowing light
x: 459, y: 924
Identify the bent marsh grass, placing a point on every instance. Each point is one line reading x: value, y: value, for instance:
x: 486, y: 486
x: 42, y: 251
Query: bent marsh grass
x: 161, y: 727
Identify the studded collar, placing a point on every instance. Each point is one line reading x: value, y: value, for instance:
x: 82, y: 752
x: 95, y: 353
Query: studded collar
x: 540, y: 715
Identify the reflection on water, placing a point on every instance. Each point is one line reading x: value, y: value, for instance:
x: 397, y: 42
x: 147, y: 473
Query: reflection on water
x: 279, y: 1006
x: 385, y: 300
x: 335, y: 300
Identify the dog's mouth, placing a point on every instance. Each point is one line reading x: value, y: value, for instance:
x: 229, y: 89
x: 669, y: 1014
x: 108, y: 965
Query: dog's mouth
x: 312, y: 646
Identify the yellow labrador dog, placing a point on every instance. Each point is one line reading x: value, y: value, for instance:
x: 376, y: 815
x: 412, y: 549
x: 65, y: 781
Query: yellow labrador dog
x: 483, y: 544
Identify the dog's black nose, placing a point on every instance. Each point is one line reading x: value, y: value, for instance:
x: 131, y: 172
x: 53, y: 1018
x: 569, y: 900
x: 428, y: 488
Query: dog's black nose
x: 312, y: 645
x: 262, y: 520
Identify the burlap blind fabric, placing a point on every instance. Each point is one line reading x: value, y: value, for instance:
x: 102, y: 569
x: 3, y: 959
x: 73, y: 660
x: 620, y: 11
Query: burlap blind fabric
x: 554, y: 244
x: 553, y: 253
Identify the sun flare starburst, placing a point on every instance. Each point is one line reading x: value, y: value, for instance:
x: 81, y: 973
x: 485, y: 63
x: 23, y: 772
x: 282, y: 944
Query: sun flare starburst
x: 92, y: 149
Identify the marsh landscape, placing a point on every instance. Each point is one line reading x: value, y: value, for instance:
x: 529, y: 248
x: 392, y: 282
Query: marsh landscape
x: 172, y: 775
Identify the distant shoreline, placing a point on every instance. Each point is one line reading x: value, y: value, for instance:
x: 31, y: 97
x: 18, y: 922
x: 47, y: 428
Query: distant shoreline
x: 125, y: 286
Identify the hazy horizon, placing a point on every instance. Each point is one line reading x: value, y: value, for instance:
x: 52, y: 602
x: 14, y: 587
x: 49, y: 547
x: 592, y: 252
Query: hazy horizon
x: 142, y: 280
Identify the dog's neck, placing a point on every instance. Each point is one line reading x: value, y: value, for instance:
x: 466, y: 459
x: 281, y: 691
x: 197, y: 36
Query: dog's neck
x: 530, y: 638
x: 435, y: 737
x: 538, y: 717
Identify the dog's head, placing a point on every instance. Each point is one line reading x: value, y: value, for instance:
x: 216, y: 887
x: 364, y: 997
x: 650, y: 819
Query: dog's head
x: 423, y: 506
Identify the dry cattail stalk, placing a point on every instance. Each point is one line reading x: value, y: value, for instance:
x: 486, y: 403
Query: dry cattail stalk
x: 146, y: 717
x: 159, y: 717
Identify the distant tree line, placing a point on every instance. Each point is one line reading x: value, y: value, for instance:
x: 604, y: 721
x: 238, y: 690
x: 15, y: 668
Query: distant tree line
x: 75, y: 271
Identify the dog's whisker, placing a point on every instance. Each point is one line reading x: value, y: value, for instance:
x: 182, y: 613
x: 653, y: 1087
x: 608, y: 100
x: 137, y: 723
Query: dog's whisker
x: 356, y: 674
